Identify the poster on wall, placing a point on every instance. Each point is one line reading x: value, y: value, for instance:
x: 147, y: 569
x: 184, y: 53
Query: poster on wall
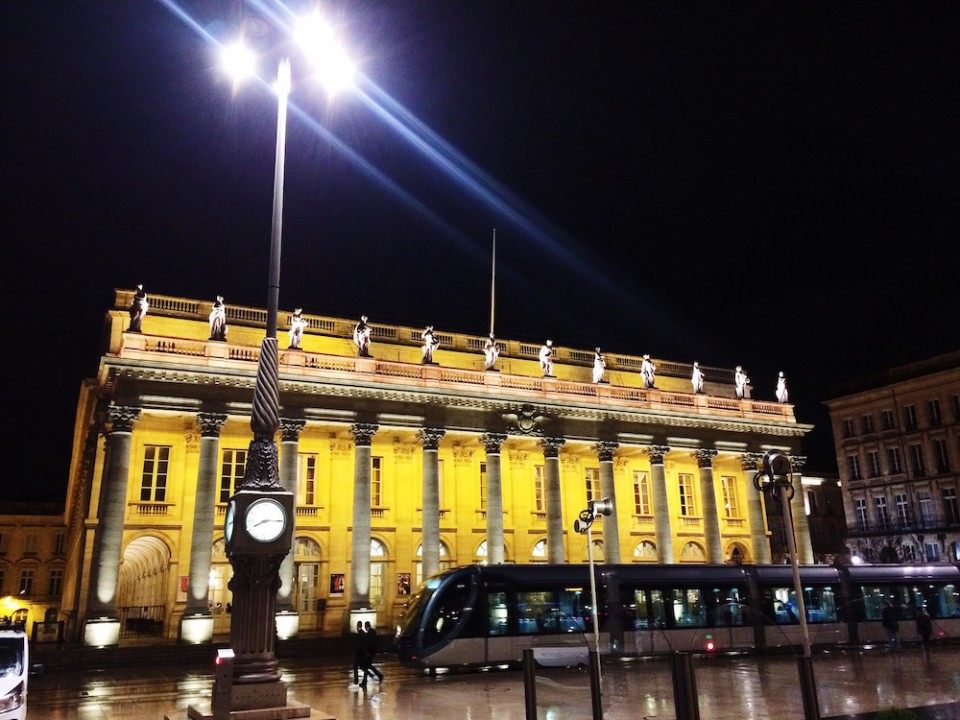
x: 336, y: 583
x: 403, y: 583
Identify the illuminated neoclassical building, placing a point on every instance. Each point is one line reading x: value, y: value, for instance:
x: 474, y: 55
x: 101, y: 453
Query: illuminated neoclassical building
x: 401, y: 467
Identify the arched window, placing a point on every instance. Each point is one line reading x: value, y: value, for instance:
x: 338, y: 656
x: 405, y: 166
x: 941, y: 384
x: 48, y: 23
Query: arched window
x: 481, y: 553
x: 645, y: 551
x: 307, y: 573
x: 692, y: 553
x: 378, y: 571
x: 444, y: 562
x: 539, y: 552
x: 597, y: 552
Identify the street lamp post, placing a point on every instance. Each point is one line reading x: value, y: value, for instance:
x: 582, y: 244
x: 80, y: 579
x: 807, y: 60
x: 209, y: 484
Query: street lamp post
x: 583, y: 525
x: 776, y: 477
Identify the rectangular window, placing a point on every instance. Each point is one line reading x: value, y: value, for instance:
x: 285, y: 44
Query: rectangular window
x: 483, y: 486
x: 933, y: 551
x: 873, y: 460
x: 889, y: 419
x: 950, y: 509
x: 153, y: 483
x: 956, y: 407
x: 592, y: 481
x: 853, y: 462
x: 59, y: 543
x: 916, y: 459
x: 538, y: 501
x: 819, y: 601
x: 926, y: 507
x: 811, y: 503
x: 554, y: 612
x: 56, y: 582
x: 731, y: 506
x: 1, y: 582
x: 883, y: 519
x: 440, y: 497
x: 307, y: 479
x: 940, y: 452
x: 933, y: 408
x: 903, y: 509
x: 866, y: 422
x: 910, y: 417
x: 688, y: 505
x: 30, y: 544
x: 861, y: 510
x: 895, y: 460
x: 376, y: 481
x: 231, y: 472
x: 848, y: 427
x: 3, y: 544
x: 641, y: 493
x: 26, y: 582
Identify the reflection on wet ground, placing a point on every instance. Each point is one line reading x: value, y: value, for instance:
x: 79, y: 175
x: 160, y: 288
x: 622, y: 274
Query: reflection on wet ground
x: 760, y: 688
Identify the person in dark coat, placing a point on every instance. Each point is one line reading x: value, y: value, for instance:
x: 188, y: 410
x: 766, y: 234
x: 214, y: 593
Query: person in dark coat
x: 360, y: 660
x: 372, y: 643
x: 924, y: 627
x: 890, y: 624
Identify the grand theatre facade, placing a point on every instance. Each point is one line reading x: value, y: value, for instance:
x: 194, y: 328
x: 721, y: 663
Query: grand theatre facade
x: 400, y: 468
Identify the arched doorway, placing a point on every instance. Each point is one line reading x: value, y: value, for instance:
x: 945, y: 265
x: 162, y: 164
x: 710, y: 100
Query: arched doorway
x: 142, y: 588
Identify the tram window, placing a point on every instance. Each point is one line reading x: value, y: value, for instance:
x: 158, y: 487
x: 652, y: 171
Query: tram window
x: 547, y: 612
x: 447, y: 612
x: 688, y: 609
x: 875, y: 598
x: 724, y: 606
x: 648, y: 610
x: 497, y: 614
x: 781, y: 604
x: 943, y: 601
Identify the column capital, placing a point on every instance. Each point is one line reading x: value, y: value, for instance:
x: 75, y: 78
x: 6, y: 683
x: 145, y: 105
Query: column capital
x: 551, y: 446
x: 798, y: 462
x: 492, y: 442
x: 211, y: 423
x: 605, y: 450
x: 363, y: 433
x: 290, y: 429
x: 431, y: 437
x: 705, y: 457
x: 751, y: 461
x: 122, y: 418
x: 657, y: 453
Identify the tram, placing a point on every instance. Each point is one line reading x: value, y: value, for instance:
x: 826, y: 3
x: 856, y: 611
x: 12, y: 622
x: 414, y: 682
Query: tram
x: 482, y: 616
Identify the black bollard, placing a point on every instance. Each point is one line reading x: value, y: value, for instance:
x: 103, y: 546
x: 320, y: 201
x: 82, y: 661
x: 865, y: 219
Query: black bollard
x: 684, y: 686
x: 595, y: 685
x: 808, y: 689
x: 529, y: 684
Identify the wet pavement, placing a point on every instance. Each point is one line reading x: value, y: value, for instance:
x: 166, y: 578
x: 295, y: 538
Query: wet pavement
x: 850, y: 684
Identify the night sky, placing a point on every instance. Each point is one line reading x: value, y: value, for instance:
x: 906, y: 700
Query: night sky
x: 773, y: 185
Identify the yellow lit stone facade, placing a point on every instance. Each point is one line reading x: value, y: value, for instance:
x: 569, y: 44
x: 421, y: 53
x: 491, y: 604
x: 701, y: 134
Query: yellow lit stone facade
x: 167, y: 400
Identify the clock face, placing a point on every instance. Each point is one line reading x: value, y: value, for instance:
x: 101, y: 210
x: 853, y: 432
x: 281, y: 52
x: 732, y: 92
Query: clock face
x: 228, y: 521
x: 265, y: 520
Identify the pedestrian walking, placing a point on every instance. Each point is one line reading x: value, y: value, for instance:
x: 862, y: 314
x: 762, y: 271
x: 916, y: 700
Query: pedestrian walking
x: 372, y: 642
x: 889, y: 622
x: 924, y: 627
x: 360, y: 656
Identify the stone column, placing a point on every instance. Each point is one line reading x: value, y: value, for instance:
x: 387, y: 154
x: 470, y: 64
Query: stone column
x: 289, y: 448
x: 551, y: 490
x: 661, y: 507
x: 758, y: 520
x: 108, y: 541
x: 801, y: 525
x: 201, y: 548
x: 430, y: 437
x: 492, y: 443
x: 708, y: 495
x: 611, y: 530
x: 360, y: 545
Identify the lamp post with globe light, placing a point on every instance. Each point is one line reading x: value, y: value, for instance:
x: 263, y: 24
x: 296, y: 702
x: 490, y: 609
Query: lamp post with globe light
x: 258, y: 525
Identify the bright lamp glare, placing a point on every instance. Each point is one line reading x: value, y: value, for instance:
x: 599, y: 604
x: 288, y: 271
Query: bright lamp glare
x: 238, y: 61
x: 331, y: 65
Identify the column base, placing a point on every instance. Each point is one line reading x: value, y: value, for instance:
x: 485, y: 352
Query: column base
x: 288, y: 624
x: 196, y: 629
x: 292, y: 710
x: 362, y: 615
x: 101, y: 632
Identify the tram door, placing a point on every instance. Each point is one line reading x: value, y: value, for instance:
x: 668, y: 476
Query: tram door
x: 500, y: 623
x: 609, y: 602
